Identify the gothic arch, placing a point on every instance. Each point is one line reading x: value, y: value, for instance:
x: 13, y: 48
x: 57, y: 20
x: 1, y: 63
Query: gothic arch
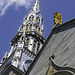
x: 37, y: 20
x: 31, y: 18
x: 26, y: 64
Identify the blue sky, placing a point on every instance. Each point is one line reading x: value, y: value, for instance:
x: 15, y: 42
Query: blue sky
x: 12, y: 13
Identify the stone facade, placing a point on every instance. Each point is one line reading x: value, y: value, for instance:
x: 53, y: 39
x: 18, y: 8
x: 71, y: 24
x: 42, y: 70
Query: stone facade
x: 61, y: 44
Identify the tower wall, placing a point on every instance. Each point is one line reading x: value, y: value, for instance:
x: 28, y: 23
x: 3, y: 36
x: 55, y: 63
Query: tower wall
x: 27, y: 43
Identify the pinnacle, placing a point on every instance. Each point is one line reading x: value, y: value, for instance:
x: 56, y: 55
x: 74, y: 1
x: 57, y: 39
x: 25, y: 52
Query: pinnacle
x: 36, y: 6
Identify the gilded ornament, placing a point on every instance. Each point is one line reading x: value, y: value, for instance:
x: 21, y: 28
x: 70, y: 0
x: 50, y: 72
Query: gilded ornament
x: 57, y: 19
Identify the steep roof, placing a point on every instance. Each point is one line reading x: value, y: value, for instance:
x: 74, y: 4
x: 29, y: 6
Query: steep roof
x: 59, y: 28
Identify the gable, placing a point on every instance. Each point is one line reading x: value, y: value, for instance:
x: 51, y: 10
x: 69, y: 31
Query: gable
x: 13, y: 71
x: 61, y: 43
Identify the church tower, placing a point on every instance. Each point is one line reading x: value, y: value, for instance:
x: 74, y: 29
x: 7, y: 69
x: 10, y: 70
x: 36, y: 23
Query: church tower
x: 25, y: 45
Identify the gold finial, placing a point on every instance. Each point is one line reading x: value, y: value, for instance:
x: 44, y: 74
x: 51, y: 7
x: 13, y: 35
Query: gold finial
x: 51, y: 71
x: 57, y: 19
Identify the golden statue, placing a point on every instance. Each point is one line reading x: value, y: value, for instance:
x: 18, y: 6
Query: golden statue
x: 57, y: 19
x: 51, y: 71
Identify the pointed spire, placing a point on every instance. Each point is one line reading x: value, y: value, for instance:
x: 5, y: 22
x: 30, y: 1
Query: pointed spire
x: 36, y: 6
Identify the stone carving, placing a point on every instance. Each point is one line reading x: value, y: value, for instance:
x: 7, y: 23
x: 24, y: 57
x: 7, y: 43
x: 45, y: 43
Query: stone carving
x: 59, y: 68
x: 50, y: 69
x: 54, y: 69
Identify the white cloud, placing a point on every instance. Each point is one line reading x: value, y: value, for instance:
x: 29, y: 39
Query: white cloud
x: 5, y: 4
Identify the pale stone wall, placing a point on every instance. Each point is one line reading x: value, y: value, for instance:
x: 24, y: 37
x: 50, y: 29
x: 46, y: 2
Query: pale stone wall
x: 62, y: 44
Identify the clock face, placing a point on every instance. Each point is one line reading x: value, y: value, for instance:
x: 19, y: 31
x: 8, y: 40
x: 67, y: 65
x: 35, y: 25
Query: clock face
x: 27, y: 64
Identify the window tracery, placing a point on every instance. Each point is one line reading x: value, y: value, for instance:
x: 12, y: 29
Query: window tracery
x: 37, y: 20
x: 31, y: 18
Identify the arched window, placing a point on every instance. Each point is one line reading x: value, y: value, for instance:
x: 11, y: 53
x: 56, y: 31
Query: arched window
x: 27, y: 64
x: 26, y: 43
x: 31, y: 18
x: 36, y: 28
x: 26, y: 27
x: 37, y: 20
x: 30, y: 27
x: 39, y: 29
x: 22, y: 37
